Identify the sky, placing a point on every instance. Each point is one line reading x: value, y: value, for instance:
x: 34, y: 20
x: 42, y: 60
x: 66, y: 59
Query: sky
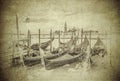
x: 52, y: 14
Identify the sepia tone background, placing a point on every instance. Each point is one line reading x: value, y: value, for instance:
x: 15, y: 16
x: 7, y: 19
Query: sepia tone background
x: 102, y: 15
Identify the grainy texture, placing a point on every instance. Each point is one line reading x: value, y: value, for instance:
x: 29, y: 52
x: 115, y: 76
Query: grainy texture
x: 102, y: 15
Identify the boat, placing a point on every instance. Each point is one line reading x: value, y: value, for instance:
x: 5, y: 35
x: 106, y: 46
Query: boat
x: 65, y: 46
x: 30, y: 60
x: 62, y: 60
x: 68, y: 46
x: 53, y: 56
x: 99, y: 48
x: 35, y: 57
x: 43, y: 45
x: 80, y: 48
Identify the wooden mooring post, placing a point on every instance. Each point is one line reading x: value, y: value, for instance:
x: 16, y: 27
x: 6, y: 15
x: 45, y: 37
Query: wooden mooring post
x: 17, y: 27
x: 40, y: 51
x: 39, y: 41
x: 81, y: 35
x: 78, y: 36
x: 13, y: 53
x: 51, y: 41
x: 28, y: 37
x: 59, y: 38
x: 90, y: 40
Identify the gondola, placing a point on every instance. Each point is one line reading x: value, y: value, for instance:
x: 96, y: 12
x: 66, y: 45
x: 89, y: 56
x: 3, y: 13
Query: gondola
x: 62, y: 60
x: 65, y: 46
x: 99, y: 48
x: 43, y: 45
x: 30, y: 60
x: 36, y: 58
x: 80, y: 48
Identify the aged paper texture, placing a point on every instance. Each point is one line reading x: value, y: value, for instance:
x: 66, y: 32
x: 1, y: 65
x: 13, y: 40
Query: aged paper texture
x: 59, y: 40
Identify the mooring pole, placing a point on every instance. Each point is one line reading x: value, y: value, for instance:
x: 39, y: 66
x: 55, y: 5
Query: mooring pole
x: 90, y: 40
x: 13, y: 45
x: 39, y: 42
x: 17, y: 26
x: 28, y: 37
x: 89, y: 53
x: 41, y: 51
x: 51, y: 40
x: 78, y: 35
x: 59, y: 37
x: 111, y: 64
x: 81, y: 35
x: 13, y: 50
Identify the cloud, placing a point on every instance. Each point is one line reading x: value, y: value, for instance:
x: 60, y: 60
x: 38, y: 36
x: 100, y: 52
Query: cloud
x: 37, y: 20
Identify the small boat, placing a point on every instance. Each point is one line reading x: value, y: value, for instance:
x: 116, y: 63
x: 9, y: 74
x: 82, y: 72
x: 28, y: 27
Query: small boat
x: 53, y: 56
x: 29, y: 61
x: 68, y: 46
x: 65, y: 46
x: 80, y: 48
x: 62, y: 60
x: 99, y: 48
x: 43, y: 45
x: 33, y: 58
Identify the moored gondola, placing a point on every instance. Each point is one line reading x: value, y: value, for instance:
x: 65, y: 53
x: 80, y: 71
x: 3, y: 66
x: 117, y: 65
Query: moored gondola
x: 99, y: 48
x: 43, y: 45
x: 80, y: 48
x: 62, y: 60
